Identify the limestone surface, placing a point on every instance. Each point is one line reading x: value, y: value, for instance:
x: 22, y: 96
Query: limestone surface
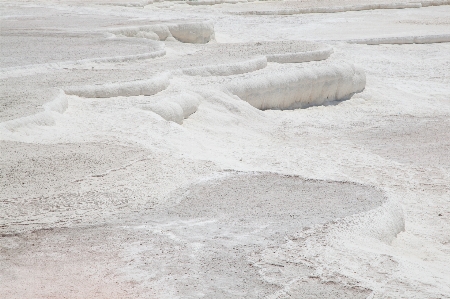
x: 225, y: 149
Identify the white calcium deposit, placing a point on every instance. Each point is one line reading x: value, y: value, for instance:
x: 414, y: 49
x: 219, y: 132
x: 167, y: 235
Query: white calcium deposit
x: 225, y: 149
x: 303, y: 87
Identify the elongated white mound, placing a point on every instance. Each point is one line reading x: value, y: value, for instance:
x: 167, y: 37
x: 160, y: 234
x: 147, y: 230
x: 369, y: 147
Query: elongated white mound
x: 423, y: 39
x: 275, y: 51
x: 135, y: 88
x: 228, y: 68
x: 45, y: 118
x: 154, y: 31
x: 191, y: 32
x: 300, y: 88
x: 434, y: 3
x: 284, y: 9
x: 126, y: 4
x: 176, y: 108
x: 17, y: 71
x: 314, y: 55
x: 239, y: 58
x: 196, y: 33
x: 213, y: 2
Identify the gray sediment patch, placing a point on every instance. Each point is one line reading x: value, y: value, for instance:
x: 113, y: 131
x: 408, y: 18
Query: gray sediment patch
x: 203, y: 236
x: 272, y: 198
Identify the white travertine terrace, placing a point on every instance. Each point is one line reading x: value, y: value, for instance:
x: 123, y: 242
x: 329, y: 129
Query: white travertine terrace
x: 176, y: 107
x: 186, y: 32
x: 213, y: 2
x: 293, y: 7
x: 256, y: 56
x: 141, y: 3
x: 240, y: 67
x: 82, y: 48
x: 224, y: 149
x: 58, y: 105
x: 124, y: 89
x: 399, y: 40
x: 300, y: 88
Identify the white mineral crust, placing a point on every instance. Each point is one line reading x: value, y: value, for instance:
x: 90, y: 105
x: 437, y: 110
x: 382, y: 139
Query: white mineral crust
x: 225, y: 149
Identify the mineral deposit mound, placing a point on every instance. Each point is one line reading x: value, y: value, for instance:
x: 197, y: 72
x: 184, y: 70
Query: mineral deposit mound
x: 225, y: 149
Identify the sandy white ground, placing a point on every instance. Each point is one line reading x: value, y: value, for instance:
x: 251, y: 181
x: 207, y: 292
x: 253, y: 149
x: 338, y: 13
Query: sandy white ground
x: 136, y: 166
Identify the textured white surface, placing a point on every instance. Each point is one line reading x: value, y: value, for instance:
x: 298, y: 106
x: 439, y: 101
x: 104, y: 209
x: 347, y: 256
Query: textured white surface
x: 57, y: 105
x: 157, y: 179
x: 124, y: 89
x: 424, y: 39
x: 176, y: 107
x: 186, y: 32
x: 300, y: 88
x: 296, y: 7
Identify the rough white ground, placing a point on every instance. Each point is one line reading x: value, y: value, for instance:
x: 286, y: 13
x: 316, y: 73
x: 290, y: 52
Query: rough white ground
x: 155, y: 149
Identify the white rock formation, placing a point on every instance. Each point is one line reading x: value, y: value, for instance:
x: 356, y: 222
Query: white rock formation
x: 58, y: 105
x: 186, y: 32
x: 290, y: 8
x: 177, y: 107
x: 399, y: 40
x: 122, y: 89
x: 147, y: 153
x: 300, y: 88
